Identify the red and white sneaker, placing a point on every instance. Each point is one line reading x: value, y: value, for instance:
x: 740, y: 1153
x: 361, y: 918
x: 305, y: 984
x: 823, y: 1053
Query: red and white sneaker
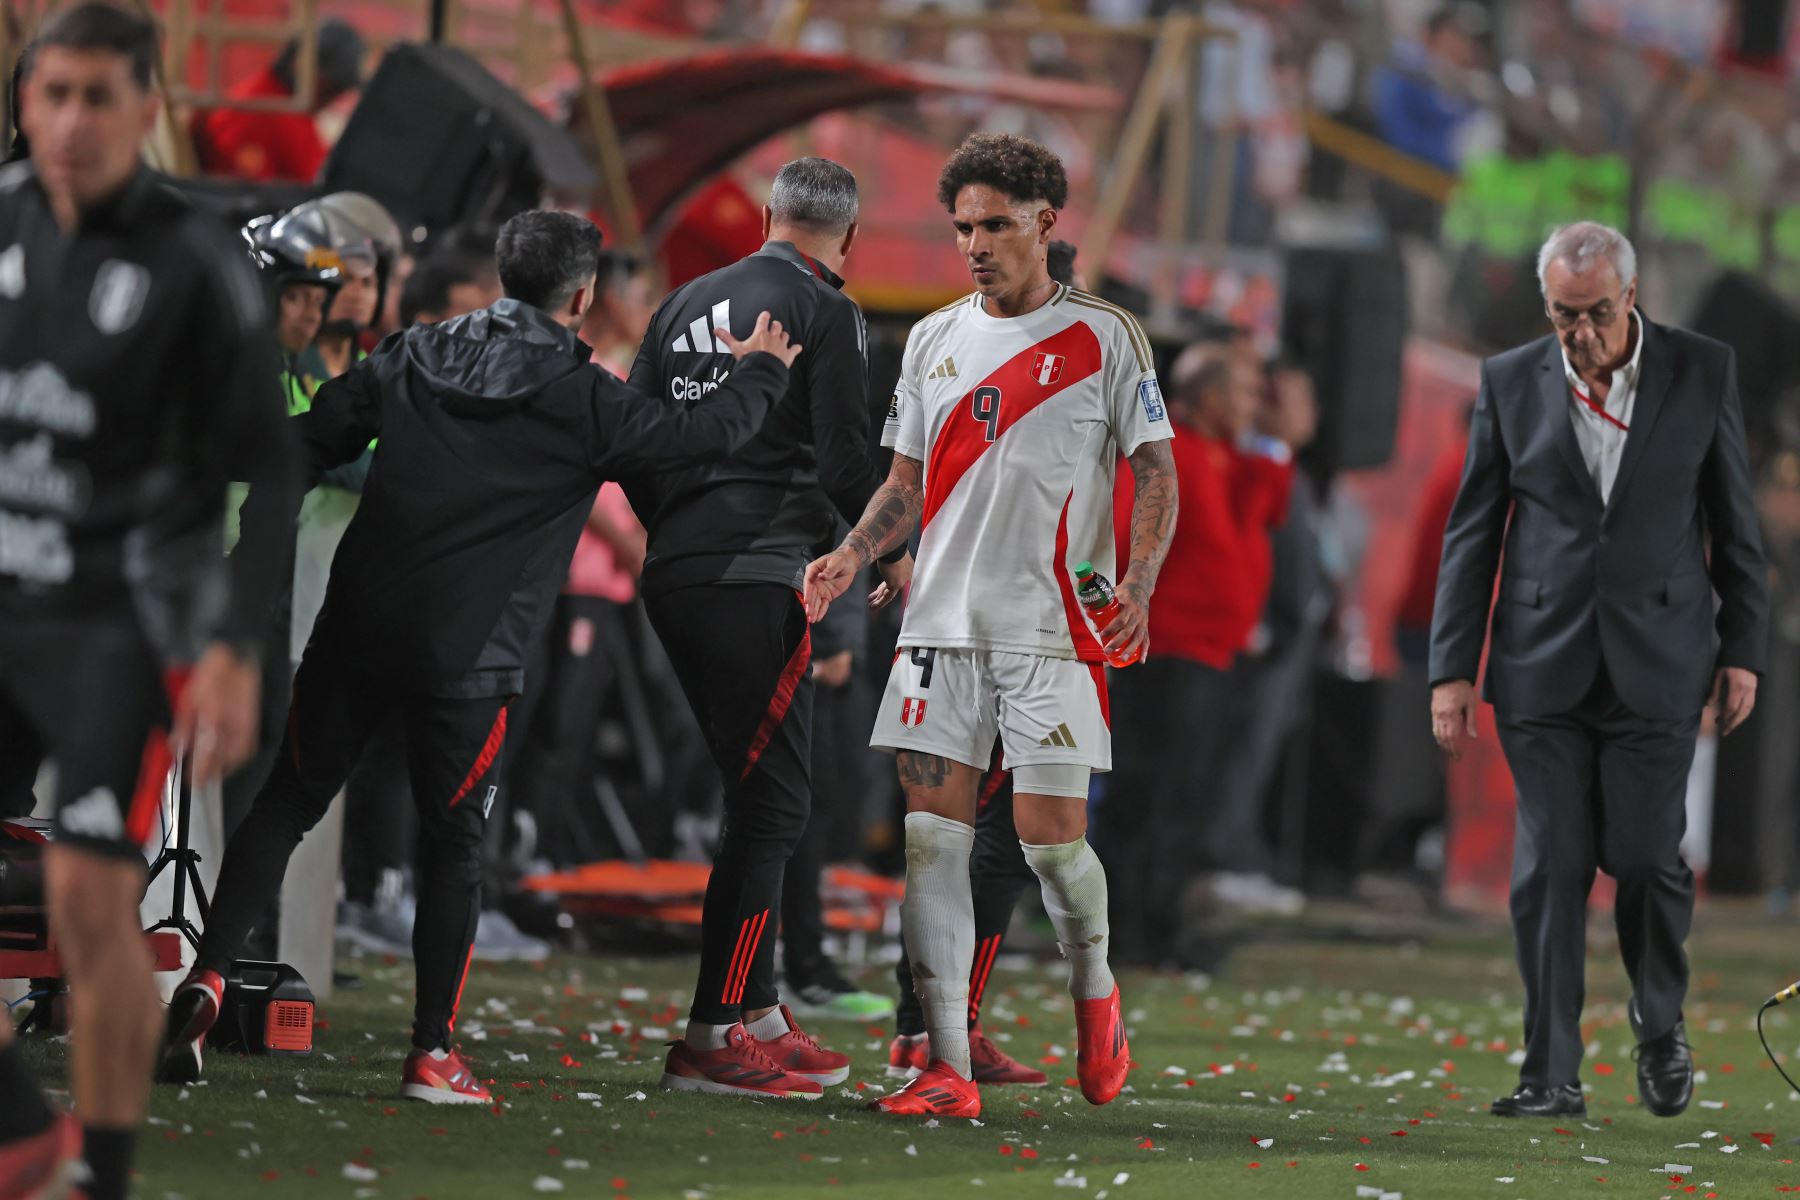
x: 45, y: 1165
x: 738, y: 1068
x: 907, y: 1055
x: 1104, y: 1056
x: 799, y: 1053
x: 938, y: 1092
x: 441, y: 1077
x: 193, y: 1010
x: 997, y: 1068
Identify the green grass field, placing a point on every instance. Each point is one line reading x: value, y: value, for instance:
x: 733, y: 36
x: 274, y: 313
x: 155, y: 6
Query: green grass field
x: 1323, y: 1062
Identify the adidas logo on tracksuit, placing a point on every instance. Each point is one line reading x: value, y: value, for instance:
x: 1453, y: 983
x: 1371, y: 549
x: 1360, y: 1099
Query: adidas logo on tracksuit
x: 699, y: 336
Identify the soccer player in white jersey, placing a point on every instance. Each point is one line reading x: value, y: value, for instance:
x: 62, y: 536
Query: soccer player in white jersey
x: 1013, y: 408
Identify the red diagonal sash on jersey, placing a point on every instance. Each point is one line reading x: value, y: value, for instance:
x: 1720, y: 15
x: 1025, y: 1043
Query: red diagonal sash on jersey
x: 1087, y: 646
x: 963, y: 439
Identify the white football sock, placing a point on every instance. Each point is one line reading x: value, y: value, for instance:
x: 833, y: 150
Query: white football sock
x: 701, y: 1036
x: 938, y: 921
x: 1074, y: 886
x: 767, y: 1027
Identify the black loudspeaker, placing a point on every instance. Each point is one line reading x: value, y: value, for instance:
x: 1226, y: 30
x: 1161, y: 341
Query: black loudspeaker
x: 1746, y: 314
x: 267, y: 1009
x: 439, y: 141
x: 1344, y: 318
x: 1761, y: 29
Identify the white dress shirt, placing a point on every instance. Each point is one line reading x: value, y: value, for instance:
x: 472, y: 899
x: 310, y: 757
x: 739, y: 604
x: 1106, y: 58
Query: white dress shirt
x: 1602, y: 441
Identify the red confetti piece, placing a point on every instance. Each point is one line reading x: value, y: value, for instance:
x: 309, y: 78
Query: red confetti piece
x: 1071, y: 1081
x: 1286, y: 1098
x: 1362, y: 1166
x: 388, y: 1112
x: 1398, y: 1133
x: 1727, y: 1068
x: 1415, y: 1121
x: 1253, y: 1166
x: 778, y: 1135
x: 1050, y: 1060
x: 1146, y: 1144
x: 1187, y: 1083
x: 1676, y: 1178
x: 270, y: 1176
x: 1767, y: 1139
x: 1006, y: 1151
x: 1028, y: 1152
x: 1603, y: 1068
x: 1366, y: 1141
x: 1562, y: 1131
x: 1029, y: 1112
x: 568, y: 1060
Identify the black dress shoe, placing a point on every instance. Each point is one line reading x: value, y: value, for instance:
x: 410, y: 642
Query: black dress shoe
x: 1665, y: 1070
x: 1533, y: 1100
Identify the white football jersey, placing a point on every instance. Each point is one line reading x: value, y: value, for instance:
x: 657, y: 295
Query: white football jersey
x: 1020, y: 423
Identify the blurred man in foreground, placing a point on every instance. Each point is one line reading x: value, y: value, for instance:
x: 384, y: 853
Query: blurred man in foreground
x: 136, y: 380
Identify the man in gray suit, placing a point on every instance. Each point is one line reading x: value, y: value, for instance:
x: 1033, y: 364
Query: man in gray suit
x: 1604, y: 461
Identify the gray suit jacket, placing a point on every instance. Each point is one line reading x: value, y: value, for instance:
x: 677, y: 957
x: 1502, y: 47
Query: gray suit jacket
x: 1626, y: 583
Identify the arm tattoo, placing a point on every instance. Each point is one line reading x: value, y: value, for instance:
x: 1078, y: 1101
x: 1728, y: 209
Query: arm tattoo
x: 922, y: 770
x: 892, y: 512
x: 1153, y: 511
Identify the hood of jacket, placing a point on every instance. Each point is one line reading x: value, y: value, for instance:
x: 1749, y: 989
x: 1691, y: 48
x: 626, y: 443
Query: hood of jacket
x: 495, y: 357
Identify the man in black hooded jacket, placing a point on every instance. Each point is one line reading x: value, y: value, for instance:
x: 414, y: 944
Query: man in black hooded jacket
x: 495, y: 433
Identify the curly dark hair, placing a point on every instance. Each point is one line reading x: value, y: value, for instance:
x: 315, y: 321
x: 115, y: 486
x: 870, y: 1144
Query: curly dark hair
x: 1016, y: 167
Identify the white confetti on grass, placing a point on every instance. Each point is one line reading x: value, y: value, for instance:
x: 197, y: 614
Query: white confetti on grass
x: 1728, y: 1149
x: 1592, y: 1159
x: 1264, y: 1143
x: 357, y: 1173
x: 546, y: 1183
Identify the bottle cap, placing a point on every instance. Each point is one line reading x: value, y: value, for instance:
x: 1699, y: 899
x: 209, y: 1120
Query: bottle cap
x: 1083, y: 569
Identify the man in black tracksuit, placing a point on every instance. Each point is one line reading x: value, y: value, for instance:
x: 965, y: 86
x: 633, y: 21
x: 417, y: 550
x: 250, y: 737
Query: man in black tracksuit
x: 729, y: 544
x: 137, y: 379
x: 496, y: 431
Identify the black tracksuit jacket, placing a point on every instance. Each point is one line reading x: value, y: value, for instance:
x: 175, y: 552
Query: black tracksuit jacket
x: 496, y: 431
x: 762, y: 514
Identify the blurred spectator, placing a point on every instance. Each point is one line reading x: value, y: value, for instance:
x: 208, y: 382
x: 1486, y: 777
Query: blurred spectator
x: 279, y: 145
x: 1061, y: 265
x: 1423, y: 96
x: 1393, y: 860
x: 1274, y: 680
x: 448, y: 283
x: 1174, y: 714
x: 560, y: 712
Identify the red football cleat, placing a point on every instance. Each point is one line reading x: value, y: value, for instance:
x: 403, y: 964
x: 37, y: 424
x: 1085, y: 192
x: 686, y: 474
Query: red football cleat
x: 799, y: 1053
x: 46, y: 1164
x: 995, y: 1067
x: 1104, y: 1055
x: 938, y: 1092
x: 907, y: 1055
x: 193, y: 1010
x: 441, y: 1077
x: 739, y: 1068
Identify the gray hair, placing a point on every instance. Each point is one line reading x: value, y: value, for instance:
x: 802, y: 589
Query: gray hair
x: 1582, y: 244
x: 815, y: 194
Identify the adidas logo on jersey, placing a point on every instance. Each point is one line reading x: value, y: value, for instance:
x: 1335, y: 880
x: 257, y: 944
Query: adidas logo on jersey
x: 1060, y: 736
x: 699, y: 338
x: 944, y: 370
